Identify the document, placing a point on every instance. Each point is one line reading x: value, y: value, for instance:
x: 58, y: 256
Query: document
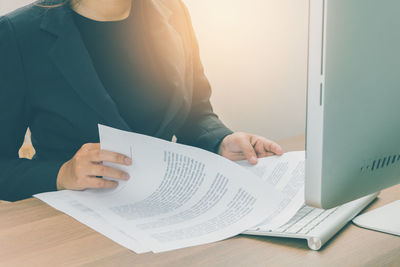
x: 180, y: 196
x: 286, y: 174
x: 63, y: 202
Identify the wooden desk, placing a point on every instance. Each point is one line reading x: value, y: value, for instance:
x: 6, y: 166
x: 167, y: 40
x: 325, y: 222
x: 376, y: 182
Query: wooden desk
x: 34, y: 234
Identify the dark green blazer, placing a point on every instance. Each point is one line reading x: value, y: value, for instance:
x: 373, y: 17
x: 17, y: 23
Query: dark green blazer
x: 48, y: 83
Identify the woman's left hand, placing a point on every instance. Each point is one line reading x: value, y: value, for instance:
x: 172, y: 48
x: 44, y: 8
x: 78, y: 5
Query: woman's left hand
x: 240, y: 146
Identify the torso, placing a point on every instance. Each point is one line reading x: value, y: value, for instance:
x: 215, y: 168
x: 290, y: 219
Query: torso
x: 127, y: 70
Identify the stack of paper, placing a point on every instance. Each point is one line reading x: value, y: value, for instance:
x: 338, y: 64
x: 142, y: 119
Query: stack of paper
x: 180, y: 196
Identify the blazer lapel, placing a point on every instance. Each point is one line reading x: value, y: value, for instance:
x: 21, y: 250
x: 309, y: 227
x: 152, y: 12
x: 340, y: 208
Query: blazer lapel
x: 70, y: 56
x: 167, y: 47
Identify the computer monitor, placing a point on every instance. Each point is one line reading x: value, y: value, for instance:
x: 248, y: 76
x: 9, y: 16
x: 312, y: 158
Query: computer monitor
x: 353, y: 100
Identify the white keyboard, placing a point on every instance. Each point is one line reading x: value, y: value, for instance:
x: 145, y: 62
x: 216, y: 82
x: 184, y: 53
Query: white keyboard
x: 305, y: 220
x: 317, y: 226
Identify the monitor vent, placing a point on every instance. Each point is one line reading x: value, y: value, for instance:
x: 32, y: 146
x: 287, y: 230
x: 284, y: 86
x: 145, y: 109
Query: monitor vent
x: 381, y: 163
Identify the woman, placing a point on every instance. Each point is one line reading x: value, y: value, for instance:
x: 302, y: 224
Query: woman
x: 67, y: 66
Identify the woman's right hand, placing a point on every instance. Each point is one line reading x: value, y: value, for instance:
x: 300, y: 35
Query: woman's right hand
x: 82, y: 171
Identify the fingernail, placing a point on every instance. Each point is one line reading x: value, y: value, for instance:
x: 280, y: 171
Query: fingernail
x: 253, y: 159
x: 128, y: 161
x: 126, y: 176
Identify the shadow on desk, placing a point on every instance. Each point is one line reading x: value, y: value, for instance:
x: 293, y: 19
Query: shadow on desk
x: 282, y: 241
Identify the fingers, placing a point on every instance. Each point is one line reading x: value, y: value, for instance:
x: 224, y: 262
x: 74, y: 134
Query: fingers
x: 239, y: 146
x: 266, y: 148
x: 248, y: 150
x: 87, y: 165
x: 95, y: 154
x: 81, y: 170
x: 99, y: 183
x: 259, y: 148
x: 101, y: 170
x: 90, y: 146
x: 272, y: 147
x: 104, y: 155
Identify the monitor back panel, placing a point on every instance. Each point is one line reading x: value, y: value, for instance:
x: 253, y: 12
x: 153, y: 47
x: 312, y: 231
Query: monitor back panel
x: 353, y: 109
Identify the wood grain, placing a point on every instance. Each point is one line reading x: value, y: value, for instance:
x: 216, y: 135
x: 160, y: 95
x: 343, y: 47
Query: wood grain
x: 34, y: 234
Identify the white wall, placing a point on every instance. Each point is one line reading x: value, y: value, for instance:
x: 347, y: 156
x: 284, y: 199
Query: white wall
x: 9, y: 5
x: 255, y: 54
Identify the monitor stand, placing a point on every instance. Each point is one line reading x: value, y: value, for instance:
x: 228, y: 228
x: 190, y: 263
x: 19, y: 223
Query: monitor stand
x: 384, y: 219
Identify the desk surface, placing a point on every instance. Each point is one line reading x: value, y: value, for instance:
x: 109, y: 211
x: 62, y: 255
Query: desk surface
x: 34, y: 234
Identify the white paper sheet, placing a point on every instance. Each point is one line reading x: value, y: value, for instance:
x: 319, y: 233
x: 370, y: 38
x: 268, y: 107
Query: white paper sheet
x: 179, y: 196
x: 286, y: 174
x: 182, y: 196
x: 63, y: 202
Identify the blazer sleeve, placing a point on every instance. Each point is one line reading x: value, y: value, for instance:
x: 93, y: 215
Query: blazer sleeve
x: 202, y: 128
x: 19, y: 178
